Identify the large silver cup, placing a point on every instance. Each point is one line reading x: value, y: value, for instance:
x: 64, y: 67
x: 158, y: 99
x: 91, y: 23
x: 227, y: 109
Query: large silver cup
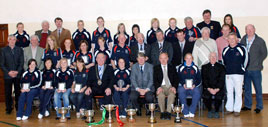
x: 63, y: 111
x: 89, y: 114
x: 131, y: 113
x: 177, y: 110
x: 109, y: 108
x: 151, y: 107
x: 120, y: 83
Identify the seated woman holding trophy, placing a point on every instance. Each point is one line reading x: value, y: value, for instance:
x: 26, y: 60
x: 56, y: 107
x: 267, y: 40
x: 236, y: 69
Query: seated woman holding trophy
x: 121, y: 87
x: 189, y: 81
x: 64, y: 80
x: 30, y: 82
x: 79, y: 86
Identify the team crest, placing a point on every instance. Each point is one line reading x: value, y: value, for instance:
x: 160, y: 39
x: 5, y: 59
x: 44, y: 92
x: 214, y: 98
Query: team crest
x: 211, y: 27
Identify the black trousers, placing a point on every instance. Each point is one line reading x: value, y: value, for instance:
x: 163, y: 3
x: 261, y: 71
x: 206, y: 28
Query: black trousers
x: 134, y: 96
x: 97, y: 92
x: 217, y: 103
x: 8, y: 92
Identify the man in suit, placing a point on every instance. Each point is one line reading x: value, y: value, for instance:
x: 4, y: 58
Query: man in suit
x: 11, y: 63
x: 33, y: 51
x: 99, y: 81
x: 43, y: 34
x: 139, y: 47
x: 160, y: 46
x: 165, y: 83
x: 181, y: 48
x: 142, y: 82
x: 60, y: 33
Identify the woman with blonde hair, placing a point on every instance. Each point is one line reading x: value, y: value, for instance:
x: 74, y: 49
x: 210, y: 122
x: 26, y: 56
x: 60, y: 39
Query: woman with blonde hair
x: 151, y: 36
x: 121, y: 29
x: 52, y: 51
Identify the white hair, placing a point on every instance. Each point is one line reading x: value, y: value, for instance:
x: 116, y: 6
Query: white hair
x: 34, y: 36
x: 188, y: 18
x: 44, y: 21
x: 205, y: 28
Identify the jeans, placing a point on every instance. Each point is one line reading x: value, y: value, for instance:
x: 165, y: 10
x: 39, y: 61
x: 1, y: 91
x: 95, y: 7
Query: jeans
x: 26, y: 98
x: 65, y: 98
x: 77, y: 99
x: 256, y: 78
x: 183, y: 93
x: 118, y: 95
x: 45, y: 97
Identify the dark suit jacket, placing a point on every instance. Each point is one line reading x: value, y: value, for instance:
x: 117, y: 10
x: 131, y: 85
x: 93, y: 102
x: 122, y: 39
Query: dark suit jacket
x: 135, y: 50
x: 65, y: 33
x: 154, y: 53
x: 39, y: 33
x: 177, y: 57
x: 10, y: 62
x: 172, y: 75
x: 107, y: 78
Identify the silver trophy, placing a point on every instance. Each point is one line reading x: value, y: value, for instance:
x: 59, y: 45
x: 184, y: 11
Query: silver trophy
x: 109, y: 108
x: 131, y: 113
x: 63, y: 111
x: 177, y: 110
x: 89, y: 114
x: 151, y: 107
x: 120, y: 83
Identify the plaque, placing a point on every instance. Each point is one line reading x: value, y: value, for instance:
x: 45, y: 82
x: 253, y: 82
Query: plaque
x: 189, y: 83
x: 77, y: 87
x: 62, y: 86
x: 48, y: 84
x: 26, y: 86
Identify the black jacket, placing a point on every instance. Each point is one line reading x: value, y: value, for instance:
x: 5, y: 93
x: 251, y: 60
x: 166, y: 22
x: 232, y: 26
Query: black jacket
x: 177, y: 57
x: 158, y: 76
x: 10, y: 61
x: 213, y: 77
x: 135, y: 51
x: 154, y: 53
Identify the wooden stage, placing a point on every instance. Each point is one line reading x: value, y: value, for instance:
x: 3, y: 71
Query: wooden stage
x: 246, y: 119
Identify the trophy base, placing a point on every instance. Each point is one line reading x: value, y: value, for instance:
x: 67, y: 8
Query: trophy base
x: 131, y: 120
x: 151, y: 120
x: 63, y: 120
x: 177, y: 120
x: 89, y: 121
x: 109, y: 121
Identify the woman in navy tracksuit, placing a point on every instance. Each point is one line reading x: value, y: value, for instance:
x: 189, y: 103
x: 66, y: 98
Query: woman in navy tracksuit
x: 103, y: 50
x: 121, y: 29
x: 85, y: 55
x: 122, y: 75
x: 52, y: 51
x: 63, y: 75
x: 188, y: 70
x: 33, y: 78
x: 151, y: 35
x: 135, y: 31
x: 68, y: 51
x: 46, y: 92
x: 80, y: 78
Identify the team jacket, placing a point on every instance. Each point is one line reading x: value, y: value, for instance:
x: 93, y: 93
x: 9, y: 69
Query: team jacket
x: 22, y: 40
x: 48, y: 75
x: 66, y: 77
x: 55, y: 55
x: 189, y: 72
x: 34, y: 78
x: 79, y: 36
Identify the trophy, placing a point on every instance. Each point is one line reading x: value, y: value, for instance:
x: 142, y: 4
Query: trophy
x: 151, y: 107
x: 120, y: 83
x: 63, y: 111
x: 189, y: 83
x: 89, y: 114
x: 109, y: 108
x: 26, y: 86
x: 131, y: 113
x: 177, y: 110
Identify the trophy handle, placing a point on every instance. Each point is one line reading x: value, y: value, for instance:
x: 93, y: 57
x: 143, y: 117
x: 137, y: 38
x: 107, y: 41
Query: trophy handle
x: 172, y: 107
x: 146, y: 106
x: 102, y: 106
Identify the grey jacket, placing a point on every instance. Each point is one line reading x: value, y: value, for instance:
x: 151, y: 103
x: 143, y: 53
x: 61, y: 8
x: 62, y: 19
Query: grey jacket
x: 142, y: 80
x: 257, y: 53
x: 10, y: 61
x: 38, y: 57
x: 154, y: 53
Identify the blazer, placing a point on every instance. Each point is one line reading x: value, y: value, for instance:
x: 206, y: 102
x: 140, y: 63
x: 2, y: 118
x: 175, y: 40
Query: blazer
x: 65, y: 33
x: 142, y: 80
x: 107, y: 78
x: 172, y: 76
x: 10, y: 62
x: 135, y: 51
x: 38, y: 57
x: 154, y: 53
x: 177, y: 56
x: 39, y: 33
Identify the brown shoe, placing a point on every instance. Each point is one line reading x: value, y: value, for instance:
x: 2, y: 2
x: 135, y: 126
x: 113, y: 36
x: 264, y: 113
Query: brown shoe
x: 228, y: 112
x: 236, y: 114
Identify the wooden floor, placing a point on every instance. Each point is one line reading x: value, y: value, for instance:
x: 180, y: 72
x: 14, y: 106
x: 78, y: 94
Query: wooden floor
x: 246, y: 119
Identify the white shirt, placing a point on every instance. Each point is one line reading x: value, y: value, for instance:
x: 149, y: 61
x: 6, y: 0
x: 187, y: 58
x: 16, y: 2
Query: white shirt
x: 161, y: 44
x: 141, y: 46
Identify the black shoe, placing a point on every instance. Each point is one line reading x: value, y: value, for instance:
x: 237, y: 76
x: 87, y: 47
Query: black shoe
x: 168, y: 116
x: 68, y: 118
x: 84, y: 118
x: 163, y: 115
x: 245, y: 109
x: 139, y: 113
x: 8, y: 112
x: 148, y: 112
x: 57, y: 118
x: 257, y: 110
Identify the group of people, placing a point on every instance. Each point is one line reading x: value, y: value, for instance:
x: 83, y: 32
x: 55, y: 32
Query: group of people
x: 208, y: 61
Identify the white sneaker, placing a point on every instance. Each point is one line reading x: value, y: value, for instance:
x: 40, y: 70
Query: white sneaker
x: 187, y: 115
x: 47, y: 113
x: 123, y: 116
x: 40, y: 116
x: 191, y: 115
x: 18, y: 118
x: 24, y: 118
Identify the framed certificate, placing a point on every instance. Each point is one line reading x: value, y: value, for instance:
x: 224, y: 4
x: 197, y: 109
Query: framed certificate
x: 69, y: 62
x: 62, y: 86
x: 85, y: 59
x: 77, y: 87
x: 189, y: 83
x: 48, y: 84
x: 26, y: 86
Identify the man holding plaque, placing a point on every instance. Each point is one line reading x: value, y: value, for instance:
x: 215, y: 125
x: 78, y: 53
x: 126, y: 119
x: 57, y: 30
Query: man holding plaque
x: 189, y: 80
x: 213, y: 81
x: 99, y: 81
x: 166, y: 83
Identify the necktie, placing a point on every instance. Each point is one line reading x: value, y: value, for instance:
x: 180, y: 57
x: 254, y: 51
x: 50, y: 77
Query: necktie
x: 161, y: 48
x: 59, y: 32
x: 181, y: 47
x: 166, y: 80
x: 100, y: 73
x: 141, y: 48
x: 141, y: 70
